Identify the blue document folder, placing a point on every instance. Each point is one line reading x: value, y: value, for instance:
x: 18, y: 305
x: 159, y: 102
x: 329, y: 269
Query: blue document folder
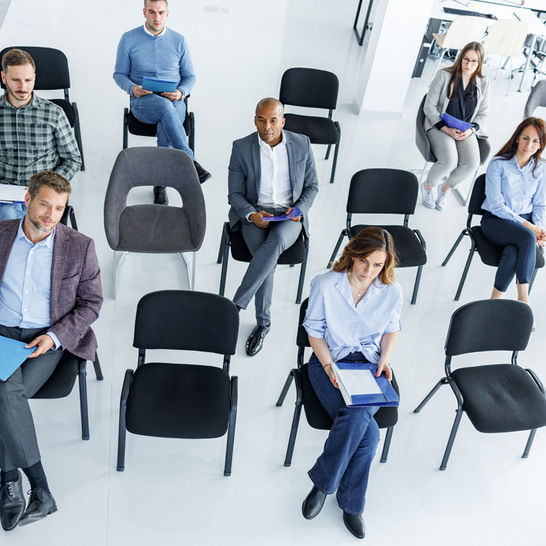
x: 158, y: 86
x: 294, y: 213
x: 360, y: 387
x: 456, y: 123
x: 12, y: 355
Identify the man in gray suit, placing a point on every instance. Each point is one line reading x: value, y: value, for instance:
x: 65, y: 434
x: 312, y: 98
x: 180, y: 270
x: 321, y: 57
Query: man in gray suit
x: 50, y: 293
x: 270, y: 172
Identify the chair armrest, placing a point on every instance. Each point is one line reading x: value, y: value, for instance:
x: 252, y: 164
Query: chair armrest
x: 234, y: 392
x: 126, y: 387
x: 421, y: 239
x: 536, y: 379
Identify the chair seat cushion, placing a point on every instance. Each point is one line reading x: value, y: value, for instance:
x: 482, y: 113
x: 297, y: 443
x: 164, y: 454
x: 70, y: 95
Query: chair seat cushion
x: 409, y: 249
x: 501, y: 398
x: 179, y: 401
x: 61, y: 381
x: 136, y: 127
x: 320, y: 130
x: 490, y: 254
x: 155, y: 229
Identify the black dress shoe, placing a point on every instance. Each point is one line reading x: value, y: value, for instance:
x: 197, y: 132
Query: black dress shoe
x: 201, y: 173
x: 160, y: 196
x: 40, y: 505
x: 355, y: 524
x: 255, y: 340
x: 313, y: 503
x: 12, y: 503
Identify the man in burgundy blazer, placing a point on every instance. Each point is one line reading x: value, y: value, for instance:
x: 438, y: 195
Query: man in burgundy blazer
x: 41, y: 261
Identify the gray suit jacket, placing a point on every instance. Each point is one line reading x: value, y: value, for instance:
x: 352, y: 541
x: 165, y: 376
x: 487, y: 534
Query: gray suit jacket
x: 76, y: 293
x: 245, y: 176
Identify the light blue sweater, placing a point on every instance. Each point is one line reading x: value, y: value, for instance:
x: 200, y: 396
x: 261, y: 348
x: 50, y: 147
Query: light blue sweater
x: 165, y: 57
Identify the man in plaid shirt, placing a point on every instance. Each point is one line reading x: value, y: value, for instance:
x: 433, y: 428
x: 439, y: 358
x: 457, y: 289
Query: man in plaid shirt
x: 35, y: 134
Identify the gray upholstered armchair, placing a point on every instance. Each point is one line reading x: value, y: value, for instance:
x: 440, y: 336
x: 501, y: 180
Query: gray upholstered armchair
x: 154, y: 228
x: 537, y: 98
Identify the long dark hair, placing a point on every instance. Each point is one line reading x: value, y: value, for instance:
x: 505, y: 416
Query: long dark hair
x: 456, y: 70
x: 508, y: 151
x: 363, y: 244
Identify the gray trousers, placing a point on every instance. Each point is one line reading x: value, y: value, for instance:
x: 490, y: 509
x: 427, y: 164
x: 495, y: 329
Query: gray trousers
x: 18, y: 443
x: 265, y: 245
x: 457, y: 159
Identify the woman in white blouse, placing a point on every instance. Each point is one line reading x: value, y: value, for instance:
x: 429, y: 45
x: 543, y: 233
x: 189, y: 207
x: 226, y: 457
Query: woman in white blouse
x: 353, y: 316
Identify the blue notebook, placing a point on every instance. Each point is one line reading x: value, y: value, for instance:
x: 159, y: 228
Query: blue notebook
x: 456, y: 123
x: 158, y: 86
x: 294, y: 213
x: 12, y: 355
x: 360, y: 387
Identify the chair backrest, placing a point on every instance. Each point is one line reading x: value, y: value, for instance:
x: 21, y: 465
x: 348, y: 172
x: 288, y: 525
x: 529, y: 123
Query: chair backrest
x: 186, y: 320
x: 309, y: 87
x: 489, y: 325
x: 506, y: 37
x: 384, y: 191
x: 423, y: 143
x: 465, y: 29
x: 51, y: 67
x: 154, y: 228
x: 537, y: 98
x: 478, y: 196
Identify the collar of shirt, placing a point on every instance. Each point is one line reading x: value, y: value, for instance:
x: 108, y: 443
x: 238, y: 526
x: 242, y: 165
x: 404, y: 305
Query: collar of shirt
x: 344, y: 286
x: 154, y: 35
x: 275, y: 189
x: 48, y: 241
x: 266, y: 146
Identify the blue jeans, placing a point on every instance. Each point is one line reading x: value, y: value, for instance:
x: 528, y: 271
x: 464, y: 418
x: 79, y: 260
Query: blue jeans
x: 350, y: 448
x: 10, y: 211
x: 169, y: 117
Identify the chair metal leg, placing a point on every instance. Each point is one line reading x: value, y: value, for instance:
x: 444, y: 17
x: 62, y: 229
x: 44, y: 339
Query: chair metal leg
x: 465, y: 273
x: 386, y: 445
x: 454, y: 247
x: 96, y: 365
x: 449, y: 446
x: 336, y: 150
x: 442, y: 381
x: 222, y: 243
x: 328, y: 152
x: 416, y: 285
x: 529, y: 443
x: 84, y: 411
x: 338, y: 244
x: 223, y: 274
x: 303, y: 269
x: 295, y: 422
x: 122, y: 432
x: 459, y: 196
x: 231, y: 427
x: 116, y: 269
x: 285, y: 388
x: 125, y: 128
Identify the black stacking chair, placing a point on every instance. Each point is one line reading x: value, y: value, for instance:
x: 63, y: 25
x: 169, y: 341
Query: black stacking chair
x: 61, y: 382
x: 496, y: 397
x: 489, y: 253
x: 51, y: 74
x: 316, y: 415
x: 181, y: 400
x: 312, y: 88
x: 296, y: 254
x: 135, y: 127
x: 387, y: 191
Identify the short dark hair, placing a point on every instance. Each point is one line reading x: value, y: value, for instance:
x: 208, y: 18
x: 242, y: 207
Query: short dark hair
x: 146, y: 2
x: 17, y: 57
x: 363, y: 244
x: 51, y: 179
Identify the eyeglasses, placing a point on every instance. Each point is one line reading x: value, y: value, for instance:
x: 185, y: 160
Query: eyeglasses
x: 470, y: 61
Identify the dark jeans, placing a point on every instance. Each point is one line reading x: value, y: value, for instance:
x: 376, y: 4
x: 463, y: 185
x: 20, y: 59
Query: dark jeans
x: 519, y: 254
x: 350, y: 448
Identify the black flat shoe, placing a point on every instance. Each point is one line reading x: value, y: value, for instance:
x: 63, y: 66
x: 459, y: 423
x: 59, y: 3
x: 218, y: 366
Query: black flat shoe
x: 255, y: 340
x: 160, y: 196
x: 12, y: 503
x: 313, y: 503
x: 203, y: 174
x: 355, y: 524
x: 40, y: 505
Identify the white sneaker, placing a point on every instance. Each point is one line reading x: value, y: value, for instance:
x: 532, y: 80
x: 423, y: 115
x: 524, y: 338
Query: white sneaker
x: 428, y: 197
x: 441, y: 202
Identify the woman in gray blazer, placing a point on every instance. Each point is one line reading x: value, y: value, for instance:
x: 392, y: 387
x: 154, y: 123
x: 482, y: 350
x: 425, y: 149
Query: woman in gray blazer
x: 462, y: 92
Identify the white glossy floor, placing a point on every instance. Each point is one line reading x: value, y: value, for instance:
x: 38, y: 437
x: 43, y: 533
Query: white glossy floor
x: 174, y: 491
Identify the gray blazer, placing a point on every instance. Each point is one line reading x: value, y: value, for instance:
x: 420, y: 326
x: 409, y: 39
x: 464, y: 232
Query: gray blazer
x: 245, y: 175
x: 437, y: 101
x: 76, y: 294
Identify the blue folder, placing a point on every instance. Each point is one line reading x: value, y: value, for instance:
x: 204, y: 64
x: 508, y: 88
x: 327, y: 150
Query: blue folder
x: 456, y: 123
x: 158, y: 86
x: 294, y: 213
x: 12, y: 355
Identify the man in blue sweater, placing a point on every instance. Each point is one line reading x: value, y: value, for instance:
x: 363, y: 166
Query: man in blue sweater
x: 156, y: 51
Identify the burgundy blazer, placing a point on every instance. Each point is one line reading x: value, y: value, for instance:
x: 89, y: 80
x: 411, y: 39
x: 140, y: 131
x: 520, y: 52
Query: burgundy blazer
x: 76, y: 293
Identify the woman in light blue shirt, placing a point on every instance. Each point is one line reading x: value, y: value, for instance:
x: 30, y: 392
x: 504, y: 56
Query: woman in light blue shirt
x: 515, y: 204
x: 353, y: 315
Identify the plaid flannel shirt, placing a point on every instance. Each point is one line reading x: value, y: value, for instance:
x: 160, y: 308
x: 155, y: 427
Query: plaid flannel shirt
x: 34, y: 138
